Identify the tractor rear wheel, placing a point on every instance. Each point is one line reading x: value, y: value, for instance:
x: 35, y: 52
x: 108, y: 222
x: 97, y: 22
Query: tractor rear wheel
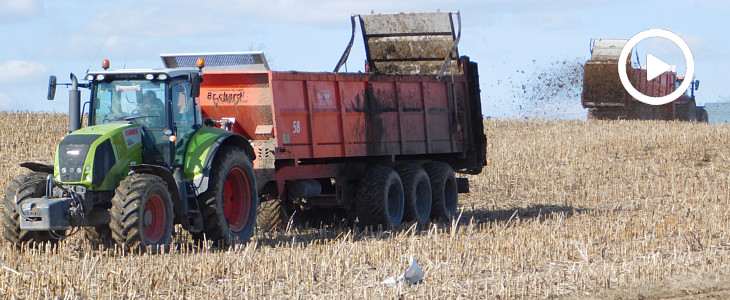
x: 230, y: 204
x: 380, y: 200
x: 25, y: 186
x: 141, y: 214
x: 444, y: 190
x: 417, y: 192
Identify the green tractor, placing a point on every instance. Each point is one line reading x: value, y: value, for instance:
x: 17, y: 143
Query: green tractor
x: 145, y: 162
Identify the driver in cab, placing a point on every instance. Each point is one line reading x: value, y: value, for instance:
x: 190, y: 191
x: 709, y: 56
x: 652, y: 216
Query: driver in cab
x: 151, y: 108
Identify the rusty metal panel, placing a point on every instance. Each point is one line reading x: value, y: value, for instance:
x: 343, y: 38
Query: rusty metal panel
x: 320, y: 115
x: 384, y: 119
x: 410, y: 43
x: 437, y: 109
x: 602, y: 86
x: 413, y: 118
x: 355, y: 126
x: 390, y: 24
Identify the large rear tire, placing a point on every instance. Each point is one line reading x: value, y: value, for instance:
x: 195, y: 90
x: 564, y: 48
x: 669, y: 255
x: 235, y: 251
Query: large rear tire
x: 141, y: 214
x: 25, y: 186
x: 381, y: 199
x: 417, y: 193
x: 444, y: 190
x: 230, y: 205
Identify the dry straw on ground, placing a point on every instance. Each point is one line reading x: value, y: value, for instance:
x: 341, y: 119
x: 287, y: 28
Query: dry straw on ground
x: 577, y: 209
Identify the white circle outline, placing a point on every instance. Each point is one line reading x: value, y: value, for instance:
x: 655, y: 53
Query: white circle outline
x: 626, y: 51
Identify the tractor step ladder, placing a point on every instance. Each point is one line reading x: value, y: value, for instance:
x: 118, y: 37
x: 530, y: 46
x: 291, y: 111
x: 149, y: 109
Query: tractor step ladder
x: 195, y: 218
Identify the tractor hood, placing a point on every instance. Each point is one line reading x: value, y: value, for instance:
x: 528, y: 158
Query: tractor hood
x: 99, y: 156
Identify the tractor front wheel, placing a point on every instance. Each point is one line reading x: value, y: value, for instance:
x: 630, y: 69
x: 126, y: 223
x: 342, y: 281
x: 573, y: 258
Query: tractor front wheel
x: 25, y: 186
x: 141, y: 214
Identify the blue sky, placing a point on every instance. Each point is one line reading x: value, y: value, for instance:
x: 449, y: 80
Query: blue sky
x: 513, y: 41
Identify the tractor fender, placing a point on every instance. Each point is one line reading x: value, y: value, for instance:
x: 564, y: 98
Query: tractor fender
x: 38, y: 167
x: 166, y: 175
x: 226, y: 139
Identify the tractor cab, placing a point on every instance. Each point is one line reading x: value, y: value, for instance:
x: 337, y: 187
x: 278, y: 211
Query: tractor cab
x: 161, y: 101
x: 695, y: 85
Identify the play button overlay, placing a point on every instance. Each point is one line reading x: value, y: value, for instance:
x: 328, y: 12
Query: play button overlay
x: 655, y: 66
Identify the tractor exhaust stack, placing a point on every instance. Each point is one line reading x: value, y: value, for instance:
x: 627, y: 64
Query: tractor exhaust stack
x: 74, y: 105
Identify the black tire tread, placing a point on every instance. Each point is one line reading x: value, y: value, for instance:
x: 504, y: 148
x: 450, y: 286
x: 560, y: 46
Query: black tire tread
x: 410, y: 175
x: 272, y: 216
x: 125, y: 212
x: 215, y: 228
x: 371, y: 205
x: 438, y: 173
x: 22, y: 188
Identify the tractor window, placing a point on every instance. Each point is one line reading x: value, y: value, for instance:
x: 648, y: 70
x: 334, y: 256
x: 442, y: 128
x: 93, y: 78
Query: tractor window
x: 184, y: 118
x: 134, y: 100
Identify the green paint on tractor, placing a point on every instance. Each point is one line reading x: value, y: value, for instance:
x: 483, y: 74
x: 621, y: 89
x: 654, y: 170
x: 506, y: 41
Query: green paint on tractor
x: 102, y: 153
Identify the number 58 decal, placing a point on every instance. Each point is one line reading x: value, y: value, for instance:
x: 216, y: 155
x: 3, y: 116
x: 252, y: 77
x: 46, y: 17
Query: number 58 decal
x: 297, y: 127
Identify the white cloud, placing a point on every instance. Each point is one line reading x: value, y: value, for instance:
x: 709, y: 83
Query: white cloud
x: 153, y: 21
x: 12, y: 11
x: 18, y: 71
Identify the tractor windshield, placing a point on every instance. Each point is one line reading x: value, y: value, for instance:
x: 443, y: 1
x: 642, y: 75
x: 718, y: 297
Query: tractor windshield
x: 130, y: 100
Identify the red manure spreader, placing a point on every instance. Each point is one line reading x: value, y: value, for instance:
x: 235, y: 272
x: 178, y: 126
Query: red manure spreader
x: 383, y: 145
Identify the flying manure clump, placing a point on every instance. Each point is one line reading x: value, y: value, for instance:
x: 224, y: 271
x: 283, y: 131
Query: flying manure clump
x: 547, y: 89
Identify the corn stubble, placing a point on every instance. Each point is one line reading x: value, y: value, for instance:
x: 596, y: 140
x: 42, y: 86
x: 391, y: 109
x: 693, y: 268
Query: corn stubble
x: 565, y: 208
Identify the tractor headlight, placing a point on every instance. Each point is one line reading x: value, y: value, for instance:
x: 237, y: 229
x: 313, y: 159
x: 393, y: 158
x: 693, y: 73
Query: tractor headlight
x: 149, y: 76
x: 88, y: 177
x: 58, y: 177
x: 63, y: 170
x: 87, y: 168
x: 100, y: 77
x: 162, y: 76
x: 89, y: 77
x: 78, y: 170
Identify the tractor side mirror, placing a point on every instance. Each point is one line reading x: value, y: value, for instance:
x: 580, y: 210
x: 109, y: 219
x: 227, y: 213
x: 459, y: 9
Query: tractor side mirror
x: 51, y: 87
x: 697, y: 84
x: 195, y: 85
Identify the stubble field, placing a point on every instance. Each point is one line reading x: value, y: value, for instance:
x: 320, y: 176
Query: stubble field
x: 623, y: 209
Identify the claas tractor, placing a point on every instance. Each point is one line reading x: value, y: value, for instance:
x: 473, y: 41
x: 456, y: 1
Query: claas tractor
x: 144, y: 163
